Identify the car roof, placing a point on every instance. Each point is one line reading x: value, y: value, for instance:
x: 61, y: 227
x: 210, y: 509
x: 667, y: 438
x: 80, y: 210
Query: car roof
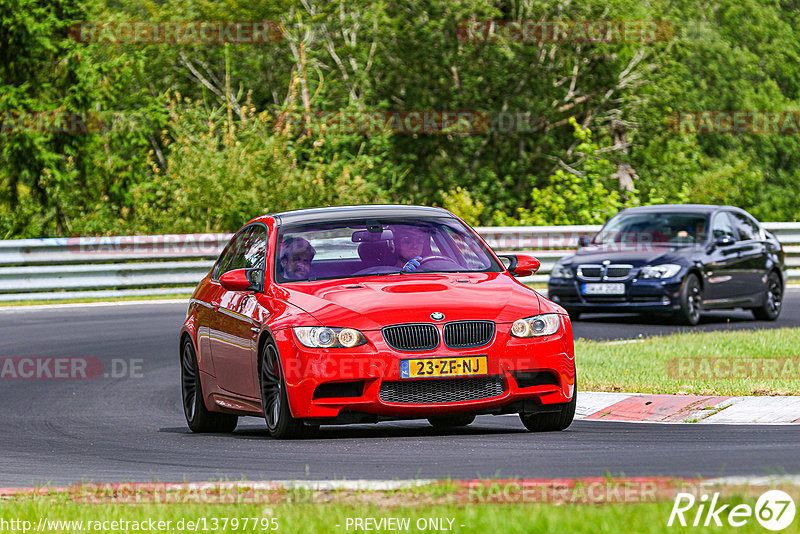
x: 680, y: 208
x: 333, y: 213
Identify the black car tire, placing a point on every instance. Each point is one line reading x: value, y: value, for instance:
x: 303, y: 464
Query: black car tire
x: 691, y: 301
x: 773, y: 299
x: 274, y: 402
x: 550, y: 422
x: 197, y: 415
x: 449, y: 421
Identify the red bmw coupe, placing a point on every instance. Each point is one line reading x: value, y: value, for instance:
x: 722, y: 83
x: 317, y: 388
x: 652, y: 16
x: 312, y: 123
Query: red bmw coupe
x: 362, y: 314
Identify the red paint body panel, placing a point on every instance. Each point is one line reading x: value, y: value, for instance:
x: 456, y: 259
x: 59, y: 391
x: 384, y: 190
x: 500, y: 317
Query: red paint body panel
x: 227, y: 328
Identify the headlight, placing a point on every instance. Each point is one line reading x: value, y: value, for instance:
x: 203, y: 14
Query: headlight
x: 538, y: 325
x: 667, y: 270
x: 322, y: 337
x: 561, y: 271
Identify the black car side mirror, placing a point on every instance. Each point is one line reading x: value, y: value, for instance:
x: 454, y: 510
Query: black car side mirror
x: 584, y: 240
x: 724, y: 241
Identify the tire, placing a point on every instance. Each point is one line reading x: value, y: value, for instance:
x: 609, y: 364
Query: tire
x: 197, y: 415
x: 773, y: 299
x: 274, y: 401
x: 550, y: 422
x: 691, y: 301
x: 450, y: 421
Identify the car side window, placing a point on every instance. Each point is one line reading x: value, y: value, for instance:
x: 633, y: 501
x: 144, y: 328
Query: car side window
x: 722, y: 226
x: 252, y: 252
x: 248, y: 250
x: 747, y: 229
x: 227, y: 256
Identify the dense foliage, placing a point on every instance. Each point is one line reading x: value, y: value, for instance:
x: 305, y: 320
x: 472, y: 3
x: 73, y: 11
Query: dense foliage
x: 201, y: 137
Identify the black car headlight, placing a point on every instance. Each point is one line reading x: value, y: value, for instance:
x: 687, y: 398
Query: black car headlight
x: 666, y: 270
x: 323, y: 337
x: 538, y: 325
x: 561, y: 271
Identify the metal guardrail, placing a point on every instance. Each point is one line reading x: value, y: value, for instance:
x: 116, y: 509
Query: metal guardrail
x: 99, y: 267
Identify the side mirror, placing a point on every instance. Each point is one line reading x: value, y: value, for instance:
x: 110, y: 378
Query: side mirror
x: 584, y: 240
x: 241, y: 280
x: 724, y: 241
x: 520, y: 264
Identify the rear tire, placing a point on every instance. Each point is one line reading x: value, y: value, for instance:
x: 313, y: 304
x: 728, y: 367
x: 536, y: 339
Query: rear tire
x: 549, y: 422
x: 691, y: 301
x: 773, y: 299
x: 274, y: 401
x: 450, y: 421
x: 197, y: 415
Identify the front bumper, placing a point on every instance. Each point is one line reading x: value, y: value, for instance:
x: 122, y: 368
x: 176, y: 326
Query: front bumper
x: 370, y: 366
x: 640, y: 296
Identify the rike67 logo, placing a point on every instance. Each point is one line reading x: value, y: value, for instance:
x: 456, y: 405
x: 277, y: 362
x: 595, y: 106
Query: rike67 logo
x: 774, y: 511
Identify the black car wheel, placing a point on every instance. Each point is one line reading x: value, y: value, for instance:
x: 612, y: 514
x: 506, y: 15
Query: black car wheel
x: 449, y: 421
x: 549, y: 422
x: 274, y: 402
x: 197, y: 415
x: 691, y: 301
x: 773, y: 299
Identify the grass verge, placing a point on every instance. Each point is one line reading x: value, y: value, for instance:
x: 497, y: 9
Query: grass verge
x: 417, y: 510
x: 754, y: 362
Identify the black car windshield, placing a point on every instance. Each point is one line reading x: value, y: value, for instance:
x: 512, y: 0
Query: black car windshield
x: 663, y: 228
x: 348, y: 248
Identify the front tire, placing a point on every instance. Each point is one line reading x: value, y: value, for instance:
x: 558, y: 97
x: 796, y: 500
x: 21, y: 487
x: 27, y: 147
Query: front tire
x: 197, y: 415
x: 450, y: 421
x: 274, y: 401
x: 773, y: 299
x: 550, y: 422
x: 691, y: 301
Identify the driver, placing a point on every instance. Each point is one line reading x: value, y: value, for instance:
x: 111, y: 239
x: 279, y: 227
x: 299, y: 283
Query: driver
x: 296, y: 256
x: 411, y: 245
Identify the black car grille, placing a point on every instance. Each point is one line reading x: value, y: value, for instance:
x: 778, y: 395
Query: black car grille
x: 442, y: 390
x: 590, y: 272
x: 466, y: 334
x: 597, y: 272
x: 411, y: 336
x: 618, y: 271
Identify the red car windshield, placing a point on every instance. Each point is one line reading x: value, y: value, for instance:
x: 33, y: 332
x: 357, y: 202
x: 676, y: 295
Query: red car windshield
x: 345, y: 249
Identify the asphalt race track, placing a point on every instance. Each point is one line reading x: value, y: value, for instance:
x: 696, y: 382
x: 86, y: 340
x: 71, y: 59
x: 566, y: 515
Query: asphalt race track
x: 131, y: 428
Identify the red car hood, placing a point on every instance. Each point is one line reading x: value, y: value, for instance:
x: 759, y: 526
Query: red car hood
x: 370, y: 303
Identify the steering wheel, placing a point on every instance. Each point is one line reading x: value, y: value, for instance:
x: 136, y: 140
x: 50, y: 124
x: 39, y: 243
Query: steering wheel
x: 429, y: 259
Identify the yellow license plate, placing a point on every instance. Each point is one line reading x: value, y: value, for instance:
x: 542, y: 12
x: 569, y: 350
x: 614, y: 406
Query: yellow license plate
x: 433, y: 367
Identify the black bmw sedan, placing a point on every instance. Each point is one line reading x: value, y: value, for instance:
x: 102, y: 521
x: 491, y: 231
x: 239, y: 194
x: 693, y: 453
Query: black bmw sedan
x: 674, y: 259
